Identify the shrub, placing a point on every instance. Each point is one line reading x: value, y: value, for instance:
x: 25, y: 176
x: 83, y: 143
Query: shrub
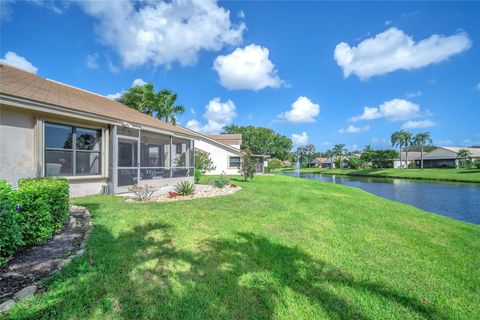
x: 476, y: 163
x: 43, y: 208
x: 55, y: 192
x: 203, y: 162
x: 184, y: 188
x: 247, y: 167
x: 274, y: 164
x: 10, y: 233
x: 142, y: 192
x: 222, y: 180
x: 198, y: 175
x: 219, y: 183
x: 233, y: 185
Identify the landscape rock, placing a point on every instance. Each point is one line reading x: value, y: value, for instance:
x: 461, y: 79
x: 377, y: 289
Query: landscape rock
x: 25, y: 292
x: 7, y: 305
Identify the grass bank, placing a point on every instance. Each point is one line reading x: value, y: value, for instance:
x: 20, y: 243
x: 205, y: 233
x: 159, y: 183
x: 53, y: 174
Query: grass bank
x: 281, y: 248
x: 458, y: 175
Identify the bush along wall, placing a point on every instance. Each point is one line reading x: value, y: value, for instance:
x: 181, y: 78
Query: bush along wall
x: 40, y: 208
x: 10, y: 232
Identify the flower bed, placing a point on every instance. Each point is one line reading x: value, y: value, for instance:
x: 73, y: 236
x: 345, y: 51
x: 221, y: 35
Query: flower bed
x: 201, y: 191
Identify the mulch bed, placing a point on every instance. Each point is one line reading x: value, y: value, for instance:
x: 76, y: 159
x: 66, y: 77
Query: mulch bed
x: 34, y: 263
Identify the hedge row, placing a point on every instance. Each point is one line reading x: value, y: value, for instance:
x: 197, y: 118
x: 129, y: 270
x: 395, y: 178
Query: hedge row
x: 32, y: 213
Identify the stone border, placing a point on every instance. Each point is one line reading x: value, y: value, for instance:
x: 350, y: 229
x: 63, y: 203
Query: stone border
x: 32, y: 289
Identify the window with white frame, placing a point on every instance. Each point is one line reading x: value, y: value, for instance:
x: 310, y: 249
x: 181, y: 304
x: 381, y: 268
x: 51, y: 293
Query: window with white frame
x: 72, y: 151
x: 234, y: 162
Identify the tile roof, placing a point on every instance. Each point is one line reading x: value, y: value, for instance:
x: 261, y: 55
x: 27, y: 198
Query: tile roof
x: 474, y: 151
x: 22, y: 84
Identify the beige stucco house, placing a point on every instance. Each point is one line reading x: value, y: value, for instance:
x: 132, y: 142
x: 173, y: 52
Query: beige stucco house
x: 447, y: 157
x: 52, y: 129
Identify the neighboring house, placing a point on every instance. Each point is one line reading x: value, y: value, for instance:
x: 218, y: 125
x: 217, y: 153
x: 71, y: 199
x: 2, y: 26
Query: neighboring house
x: 402, y: 162
x: 446, y: 157
x: 224, y: 151
x: 52, y: 129
x: 319, y: 162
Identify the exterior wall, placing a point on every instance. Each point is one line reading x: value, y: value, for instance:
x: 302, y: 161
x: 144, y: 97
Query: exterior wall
x: 86, y: 187
x: 219, y: 156
x: 17, y: 143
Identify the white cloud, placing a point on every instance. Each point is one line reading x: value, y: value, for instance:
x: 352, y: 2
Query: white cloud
x: 91, y: 61
x: 352, y: 147
x: 116, y: 95
x: 393, y: 110
x: 303, y: 110
x: 56, y: 6
x: 413, y: 94
x: 13, y: 59
x: 217, y: 113
x: 380, y: 142
x: 5, y: 10
x: 478, y: 86
x: 160, y: 33
x: 247, y: 68
x: 393, y: 50
x: 138, y: 82
x: 412, y: 124
x: 301, y: 138
x: 354, y: 129
x: 241, y: 14
x: 112, y: 66
x: 192, y: 111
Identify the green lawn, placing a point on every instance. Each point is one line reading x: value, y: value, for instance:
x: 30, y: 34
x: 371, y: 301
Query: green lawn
x: 281, y: 248
x: 460, y: 175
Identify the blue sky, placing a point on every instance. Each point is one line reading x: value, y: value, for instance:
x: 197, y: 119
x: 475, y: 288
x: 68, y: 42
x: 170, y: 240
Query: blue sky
x: 320, y: 72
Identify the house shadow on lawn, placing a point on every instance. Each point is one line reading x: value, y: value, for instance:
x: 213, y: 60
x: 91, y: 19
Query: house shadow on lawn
x: 140, y: 274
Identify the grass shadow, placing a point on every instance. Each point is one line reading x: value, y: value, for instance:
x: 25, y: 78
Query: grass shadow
x: 141, y: 273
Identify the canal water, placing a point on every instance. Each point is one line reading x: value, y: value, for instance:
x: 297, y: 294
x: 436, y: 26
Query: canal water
x: 456, y: 200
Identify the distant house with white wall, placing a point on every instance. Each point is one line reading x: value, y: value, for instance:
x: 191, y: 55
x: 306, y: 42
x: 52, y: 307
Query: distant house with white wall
x: 447, y: 157
x: 224, y: 150
x: 409, y: 159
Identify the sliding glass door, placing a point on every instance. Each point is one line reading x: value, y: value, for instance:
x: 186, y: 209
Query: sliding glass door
x: 127, y: 162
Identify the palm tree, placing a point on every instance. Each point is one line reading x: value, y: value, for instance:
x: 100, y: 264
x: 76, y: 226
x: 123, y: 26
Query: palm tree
x: 407, y: 143
x: 421, y: 139
x: 397, y: 141
x: 329, y: 154
x: 160, y: 105
x: 168, y: 106
x: 338, y: 150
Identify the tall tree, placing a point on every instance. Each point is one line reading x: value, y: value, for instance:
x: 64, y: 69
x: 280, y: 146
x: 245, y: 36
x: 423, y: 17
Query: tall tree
x: 160, y: 105
x: 421, y: 139
x: 407, y: 143
x: 262, y: 141
x: 397, y: 141
x: 338, y: 150
x: 329, y: 154
x: 309, y: 151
